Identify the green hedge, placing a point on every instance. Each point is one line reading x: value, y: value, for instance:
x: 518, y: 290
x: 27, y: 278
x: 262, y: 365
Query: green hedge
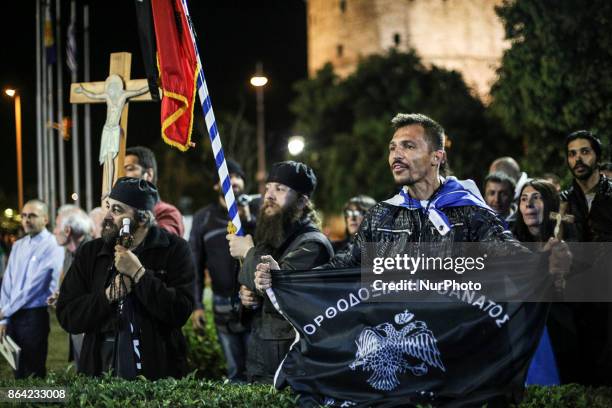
x: 204, y: 355
x: 187, y: 392
x: 191, y: 391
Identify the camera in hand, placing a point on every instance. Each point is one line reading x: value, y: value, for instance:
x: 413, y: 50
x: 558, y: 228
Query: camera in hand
x: 245, y: 199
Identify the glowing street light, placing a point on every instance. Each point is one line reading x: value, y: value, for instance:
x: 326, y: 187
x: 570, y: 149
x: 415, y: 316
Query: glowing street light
x: 259, y: 80
x: 10, y: 92
x: 296, y: 145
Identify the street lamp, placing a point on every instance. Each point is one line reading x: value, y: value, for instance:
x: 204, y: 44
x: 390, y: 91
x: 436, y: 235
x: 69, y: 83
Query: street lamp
x: 13, y: 94
x: 258, y: 81
x: 296, y: 145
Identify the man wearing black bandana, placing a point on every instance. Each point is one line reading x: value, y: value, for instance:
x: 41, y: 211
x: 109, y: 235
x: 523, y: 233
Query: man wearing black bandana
x: 130, y: 302
x: 286, y: 229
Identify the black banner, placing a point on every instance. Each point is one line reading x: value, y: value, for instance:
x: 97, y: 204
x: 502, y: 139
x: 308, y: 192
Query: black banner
x: 352, y: 350
x: 148, y: 45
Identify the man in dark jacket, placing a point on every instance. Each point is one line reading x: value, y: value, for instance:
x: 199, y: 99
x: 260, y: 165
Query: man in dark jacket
x: 589, y: 198
x: 211, y: 251
x: 130, y: 299
x: 428, y: 208
x: 286, y: 228
x: 582, y: 331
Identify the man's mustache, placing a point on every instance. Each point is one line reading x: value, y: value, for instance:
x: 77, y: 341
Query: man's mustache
x: 579, y: 163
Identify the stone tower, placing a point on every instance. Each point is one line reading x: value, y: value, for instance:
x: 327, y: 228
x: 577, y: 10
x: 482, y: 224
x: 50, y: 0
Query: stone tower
x: 462, y: 35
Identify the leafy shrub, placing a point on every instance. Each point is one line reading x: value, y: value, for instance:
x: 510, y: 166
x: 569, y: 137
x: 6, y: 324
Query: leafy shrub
x: 204, y: 355
x: 107, y: 391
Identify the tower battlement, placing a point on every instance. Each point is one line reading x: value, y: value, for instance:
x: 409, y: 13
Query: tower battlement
x: 462, y: 35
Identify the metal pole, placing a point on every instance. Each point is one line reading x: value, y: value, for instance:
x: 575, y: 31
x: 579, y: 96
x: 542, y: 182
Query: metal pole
x: 39, y: 121
x: 45, y: 117
x: 76, y: 177
x: 61, y: 161
x: 88, y: 164
x: 52, y: 190
x: 50, y: 117
x: 261, y: 138
x: 19, y: 162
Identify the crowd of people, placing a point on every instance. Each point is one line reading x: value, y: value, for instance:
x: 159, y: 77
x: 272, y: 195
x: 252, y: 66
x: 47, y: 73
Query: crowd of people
x: 123, y: 281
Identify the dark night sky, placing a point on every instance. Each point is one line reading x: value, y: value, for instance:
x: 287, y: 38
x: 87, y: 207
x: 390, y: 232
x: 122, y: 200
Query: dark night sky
x: 233, y: 36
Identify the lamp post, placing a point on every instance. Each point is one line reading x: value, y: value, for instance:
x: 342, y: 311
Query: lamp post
x: 258, y: 81
x: 13, y: 94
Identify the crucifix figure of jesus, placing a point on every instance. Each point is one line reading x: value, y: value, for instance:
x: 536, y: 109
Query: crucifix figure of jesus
x: 560, y: 218
x: 115, y: 97
x: 116, y: 91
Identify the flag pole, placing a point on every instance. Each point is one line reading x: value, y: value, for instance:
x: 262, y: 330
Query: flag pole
x: 87, y: 108
x: 60, y: 105
x: 52, y: 191
x: 39, y: 121
x: 213, y: 132
x: 44, y: 104
x: 49, y: 124
x: 71, y: 55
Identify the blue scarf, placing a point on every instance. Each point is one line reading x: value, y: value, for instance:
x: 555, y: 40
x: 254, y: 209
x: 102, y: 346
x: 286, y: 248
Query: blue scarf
x: 452, y: 193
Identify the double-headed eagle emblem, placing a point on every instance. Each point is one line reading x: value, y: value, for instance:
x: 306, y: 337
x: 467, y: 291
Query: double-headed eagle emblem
x: 386, y: 351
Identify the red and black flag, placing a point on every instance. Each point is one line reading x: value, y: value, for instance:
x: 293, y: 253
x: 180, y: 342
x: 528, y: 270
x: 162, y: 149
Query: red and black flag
x: 177, y: 65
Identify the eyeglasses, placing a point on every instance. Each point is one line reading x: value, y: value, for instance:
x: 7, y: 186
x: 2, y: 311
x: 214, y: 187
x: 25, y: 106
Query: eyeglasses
x: 353, y: 213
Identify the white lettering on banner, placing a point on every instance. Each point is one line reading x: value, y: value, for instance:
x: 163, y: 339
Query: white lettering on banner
x: 342, y: 305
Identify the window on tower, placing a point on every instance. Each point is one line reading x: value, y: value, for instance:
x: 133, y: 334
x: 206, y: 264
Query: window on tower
x: 397, y: 39
x: 339, y: 50
x: 342, y: 6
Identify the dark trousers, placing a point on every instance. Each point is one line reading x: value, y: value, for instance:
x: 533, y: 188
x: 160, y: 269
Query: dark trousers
x: 234, y: 348
x: 232, y: 335
x: 29, y: 328
x: 264, y: 357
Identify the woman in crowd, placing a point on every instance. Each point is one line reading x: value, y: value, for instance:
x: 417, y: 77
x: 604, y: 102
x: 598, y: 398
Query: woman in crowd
x: 538, y: 198
x: 353, y: 211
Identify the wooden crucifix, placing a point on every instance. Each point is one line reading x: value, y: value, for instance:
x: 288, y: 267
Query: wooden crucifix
x: 560, y: 218
x: 116, y: 91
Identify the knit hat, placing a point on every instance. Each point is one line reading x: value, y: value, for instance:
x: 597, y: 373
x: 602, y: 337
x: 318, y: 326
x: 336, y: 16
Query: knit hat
x: 135, y: 192
x: 295, y: 175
